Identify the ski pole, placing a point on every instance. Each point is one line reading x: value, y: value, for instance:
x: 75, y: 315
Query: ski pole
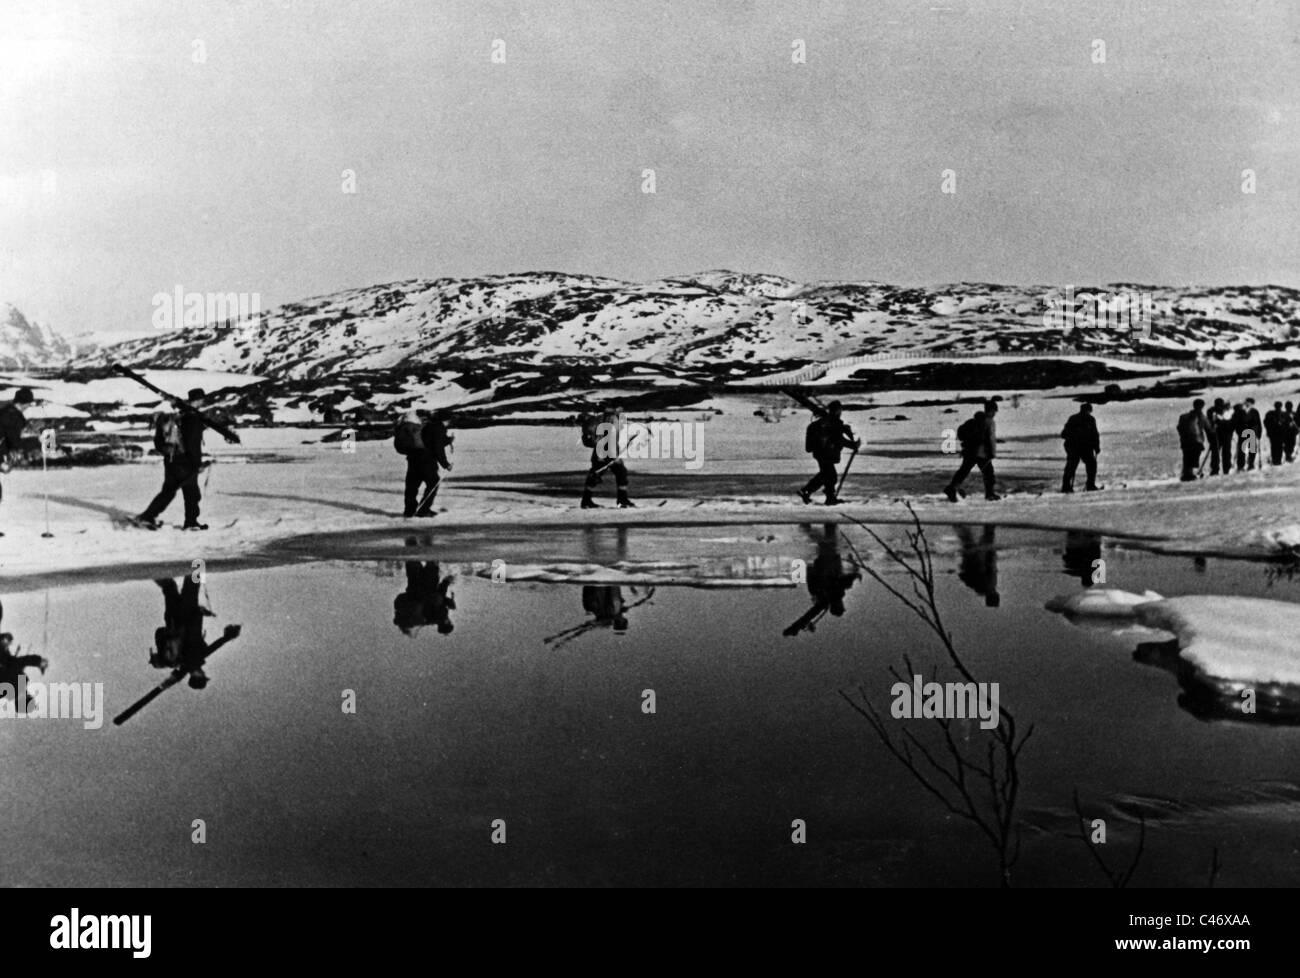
x: 47, y: 439
x: 845, y: 473
x: 428, y: 496
x: 619, y: 457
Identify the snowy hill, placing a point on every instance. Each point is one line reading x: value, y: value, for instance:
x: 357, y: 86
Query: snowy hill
x: 717, y: 323
x: 25, y: 344
x: 85, y: 344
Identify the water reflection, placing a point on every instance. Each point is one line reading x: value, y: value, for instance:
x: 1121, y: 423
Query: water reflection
x: 181, y: 644
x: 1209, y: 699
x: 13, y: 666
x: 1082, y: 551
x: 427, y: 599
x: 978, y: 568
x: 828, y: 579
x: 607, y: 608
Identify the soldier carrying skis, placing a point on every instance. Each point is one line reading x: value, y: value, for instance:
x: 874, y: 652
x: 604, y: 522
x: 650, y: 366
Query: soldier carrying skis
x: 606, y: 435
x: 178, y: 437
x: 824, y: 439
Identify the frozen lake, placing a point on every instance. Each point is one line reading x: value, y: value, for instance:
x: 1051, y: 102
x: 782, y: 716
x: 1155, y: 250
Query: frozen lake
x: 529, y: 708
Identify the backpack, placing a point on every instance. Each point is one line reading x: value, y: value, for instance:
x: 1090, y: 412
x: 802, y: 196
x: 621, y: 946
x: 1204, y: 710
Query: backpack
x: 6, y: 421
x: 589, y: 425
x: 968, y: 433
x: 167, y: 435
x: 406, y: 437
x: 812, y: 437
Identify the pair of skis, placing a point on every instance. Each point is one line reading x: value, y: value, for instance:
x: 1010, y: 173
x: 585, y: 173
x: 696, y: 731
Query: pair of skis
x: 230, y: 633
x: 178, y: 402
x: 819, y: 409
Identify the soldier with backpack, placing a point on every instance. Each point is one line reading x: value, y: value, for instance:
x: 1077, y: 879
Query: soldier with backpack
x: 978, y: 437
x: 12, y: 424
x: 425, y: 446
x: 178, y: 438
x: 824, y: 439
x: 606, y: 436
x: 1082, y: 444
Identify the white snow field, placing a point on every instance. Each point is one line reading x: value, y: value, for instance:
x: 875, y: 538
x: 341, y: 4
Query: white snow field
x: 283, y: 482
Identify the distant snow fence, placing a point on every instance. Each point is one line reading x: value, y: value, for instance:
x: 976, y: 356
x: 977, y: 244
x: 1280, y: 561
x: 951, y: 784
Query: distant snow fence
x: 652, y: 439
x: 815, y: 371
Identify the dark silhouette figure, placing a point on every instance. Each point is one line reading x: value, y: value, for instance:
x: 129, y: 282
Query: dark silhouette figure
x: 828, y: 581
x: 1082, y: 548
x: 1193, y: 436
x: 1082, y: 444
x: 1290, y: 430
x: 608, y: 440
x: 180, y: 644
x: 605, y: 604
x: 178, y: 437
x: 606, y: 607
x: 12, y: 425
x: 426, y: 455
x: 979, y: 562
x: 979, y: 444
x: 1221, y: 431
x: 825, y: 439
x: 13, y: 665
x: 427, y: 599
x: 1275, y: 426
x: 1249, y: 428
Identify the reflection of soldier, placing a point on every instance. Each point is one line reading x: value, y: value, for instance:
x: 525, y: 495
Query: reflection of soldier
x: 827, y: 581
x: 1082, y: 547
x: 979, y: 563
x: 604, y: 544
x: 427, y: 599
x: 179, y: 644
x: 605, y: 604
x: 12, y: 665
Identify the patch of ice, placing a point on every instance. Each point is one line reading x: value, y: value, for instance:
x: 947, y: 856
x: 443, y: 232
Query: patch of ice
x: 1102, y: 602
x: 704, y: 574
x: 1242, y: 640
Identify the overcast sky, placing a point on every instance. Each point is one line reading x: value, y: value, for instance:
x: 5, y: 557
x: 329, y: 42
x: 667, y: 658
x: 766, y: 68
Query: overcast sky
x: 226, y: 174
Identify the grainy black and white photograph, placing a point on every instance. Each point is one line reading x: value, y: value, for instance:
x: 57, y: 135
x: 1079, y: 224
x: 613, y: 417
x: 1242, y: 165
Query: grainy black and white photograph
x: 727, y: 443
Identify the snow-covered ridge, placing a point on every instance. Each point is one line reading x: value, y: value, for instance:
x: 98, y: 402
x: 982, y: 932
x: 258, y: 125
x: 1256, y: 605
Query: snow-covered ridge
x: 717, y: 321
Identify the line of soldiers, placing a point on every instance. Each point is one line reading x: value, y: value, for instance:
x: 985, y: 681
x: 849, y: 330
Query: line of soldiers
x: 1212, y: 436
x: 1204, y: 436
